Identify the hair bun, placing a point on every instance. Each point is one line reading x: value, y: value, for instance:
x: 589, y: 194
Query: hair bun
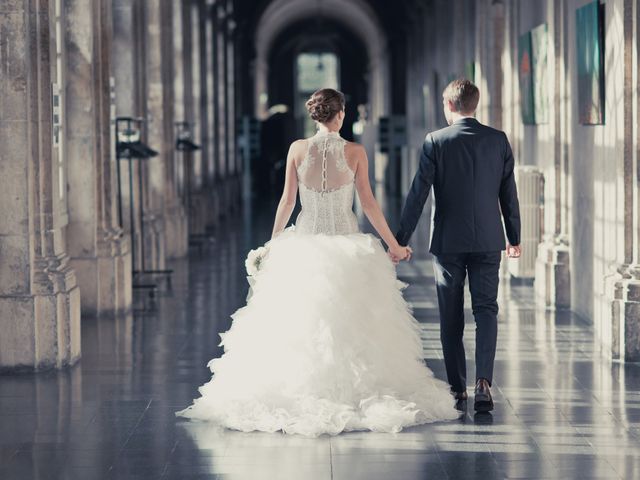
x: 325, y: 104
x: 320, y: 112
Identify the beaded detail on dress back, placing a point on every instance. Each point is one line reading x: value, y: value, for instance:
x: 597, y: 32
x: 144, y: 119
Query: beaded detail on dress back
x: 326, y: 186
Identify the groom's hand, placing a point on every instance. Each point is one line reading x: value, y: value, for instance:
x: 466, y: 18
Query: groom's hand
x: 513, y: 251
x: 401, y: 253
x: 409, y: 252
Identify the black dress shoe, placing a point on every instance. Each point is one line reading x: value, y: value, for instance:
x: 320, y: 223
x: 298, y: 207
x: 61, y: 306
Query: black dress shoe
x: 461, y: 400
x: 483, y: 401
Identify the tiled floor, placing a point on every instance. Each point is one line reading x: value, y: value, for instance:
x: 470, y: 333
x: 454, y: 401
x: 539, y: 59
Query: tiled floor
x: 561, y: 411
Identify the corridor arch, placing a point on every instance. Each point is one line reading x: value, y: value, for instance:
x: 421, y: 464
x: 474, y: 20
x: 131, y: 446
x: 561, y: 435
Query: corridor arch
x: 356, y: 15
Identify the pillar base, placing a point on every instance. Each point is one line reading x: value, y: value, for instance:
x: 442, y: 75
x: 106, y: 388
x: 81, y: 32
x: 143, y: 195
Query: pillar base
x: 214, y: 206
x: 198, y: 213
x: 106, y: 278
x: 618, y: 324
x: 177, y: 231
x: 123, y: 267
x: 236, y: 192
x: 49, y: 318
x: 153, y: 242
x: 229, y: 197
x: 552, y: 278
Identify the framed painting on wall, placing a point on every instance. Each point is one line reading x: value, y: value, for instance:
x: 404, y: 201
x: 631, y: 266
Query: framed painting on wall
x: 525, y: 75
x: 539, y: 42
x: 590, y: 58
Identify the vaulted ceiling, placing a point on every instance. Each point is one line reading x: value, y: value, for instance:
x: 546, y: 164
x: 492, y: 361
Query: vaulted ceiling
x: 379, y: 25
x: 392, y: 15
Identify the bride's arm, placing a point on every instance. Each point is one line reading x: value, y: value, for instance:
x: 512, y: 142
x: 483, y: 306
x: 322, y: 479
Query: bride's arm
x: 288, y: 199
x: 370, y: 205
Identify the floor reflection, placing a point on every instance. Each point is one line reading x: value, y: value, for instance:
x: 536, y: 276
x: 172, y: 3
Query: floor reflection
x: 561, y: 410
x: 239, y: 455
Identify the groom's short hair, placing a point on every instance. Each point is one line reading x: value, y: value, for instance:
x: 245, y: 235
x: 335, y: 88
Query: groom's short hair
x: 463, y: 94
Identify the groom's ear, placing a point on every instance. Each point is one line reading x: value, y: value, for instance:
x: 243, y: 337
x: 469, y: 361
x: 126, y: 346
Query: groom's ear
x: 451, y: 106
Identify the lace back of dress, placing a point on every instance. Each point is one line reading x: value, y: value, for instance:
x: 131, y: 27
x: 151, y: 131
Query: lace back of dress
x: 326, y: 187
x: 324, y: 168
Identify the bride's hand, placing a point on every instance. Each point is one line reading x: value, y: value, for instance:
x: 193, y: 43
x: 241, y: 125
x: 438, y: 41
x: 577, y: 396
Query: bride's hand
x: 400, y: 253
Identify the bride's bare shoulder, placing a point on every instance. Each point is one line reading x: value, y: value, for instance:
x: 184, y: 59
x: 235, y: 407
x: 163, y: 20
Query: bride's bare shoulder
x: 298, y: 146
x: 354, y: 149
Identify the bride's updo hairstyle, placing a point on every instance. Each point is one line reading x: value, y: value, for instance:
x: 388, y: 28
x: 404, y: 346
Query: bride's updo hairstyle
x: 324, y: 104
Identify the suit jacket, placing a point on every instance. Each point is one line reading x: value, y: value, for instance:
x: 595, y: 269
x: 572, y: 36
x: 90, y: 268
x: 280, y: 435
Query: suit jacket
x: 470, y: 167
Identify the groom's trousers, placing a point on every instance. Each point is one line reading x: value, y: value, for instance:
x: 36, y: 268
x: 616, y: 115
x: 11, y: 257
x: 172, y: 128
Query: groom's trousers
x: 450, y: 272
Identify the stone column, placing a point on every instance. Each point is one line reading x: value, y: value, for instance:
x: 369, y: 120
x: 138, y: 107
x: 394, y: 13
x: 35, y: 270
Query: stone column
x: 481, y: 75
x: 416, y: 98
x: 197, y: 211
x: 128, y: 47
x: 209, y: 194
x: 157, y: 225
x: 179, y: 93
x: 222, y: 97
x: 232, y: 171
x: 151, y: 172
x: 552, y: 276
x: 177, y: 223
x: 260, y: 88
x: 39, y: 296
x: 207, y: 72
x: 511, y: 117
x: 99, y: 251
x: 183, y: 37
x: 490, y: 43
x: 624, y: 286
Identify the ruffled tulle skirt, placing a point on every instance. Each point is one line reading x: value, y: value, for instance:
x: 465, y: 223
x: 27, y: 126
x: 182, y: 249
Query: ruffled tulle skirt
x: 325, y: 344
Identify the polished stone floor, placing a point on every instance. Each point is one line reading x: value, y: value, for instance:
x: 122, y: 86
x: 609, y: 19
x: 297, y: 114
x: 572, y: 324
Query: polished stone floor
x: 561, y: 411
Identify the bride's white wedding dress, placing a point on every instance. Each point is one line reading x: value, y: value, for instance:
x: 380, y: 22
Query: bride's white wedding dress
x: 326, y: 342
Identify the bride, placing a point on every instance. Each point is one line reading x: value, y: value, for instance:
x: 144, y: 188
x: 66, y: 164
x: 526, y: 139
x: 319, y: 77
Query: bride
x: 326, y: 342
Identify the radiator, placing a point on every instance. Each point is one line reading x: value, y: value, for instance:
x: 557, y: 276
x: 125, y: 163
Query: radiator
x: 530, y: 183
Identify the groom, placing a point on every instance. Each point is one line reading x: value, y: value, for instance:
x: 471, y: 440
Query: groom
x: 470, y: 167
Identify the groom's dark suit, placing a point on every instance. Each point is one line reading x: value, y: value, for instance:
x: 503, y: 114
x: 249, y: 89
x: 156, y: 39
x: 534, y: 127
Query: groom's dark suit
x: 470, y: 167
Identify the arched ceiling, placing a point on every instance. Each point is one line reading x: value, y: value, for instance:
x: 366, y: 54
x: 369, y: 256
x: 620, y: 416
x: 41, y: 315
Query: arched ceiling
x: 381, y: 25
x: 356, y: 15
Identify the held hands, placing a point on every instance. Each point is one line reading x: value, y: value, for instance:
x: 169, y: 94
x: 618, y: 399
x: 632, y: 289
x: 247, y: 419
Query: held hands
x: 398, y: 253
x: 513, y: 251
